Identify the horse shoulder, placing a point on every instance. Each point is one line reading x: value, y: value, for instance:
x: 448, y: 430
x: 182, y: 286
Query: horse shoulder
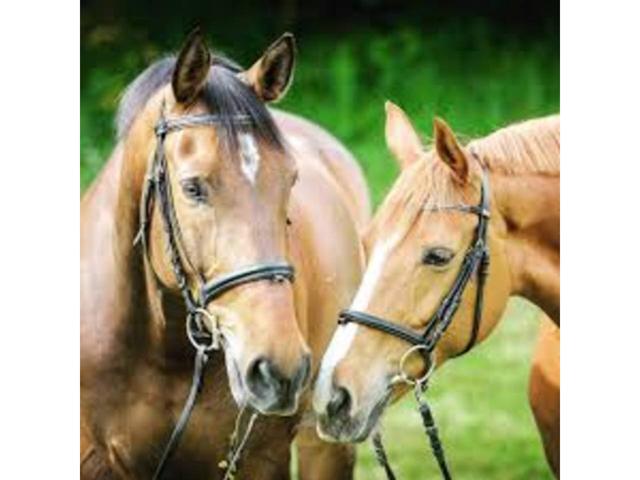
x: 319, y: 148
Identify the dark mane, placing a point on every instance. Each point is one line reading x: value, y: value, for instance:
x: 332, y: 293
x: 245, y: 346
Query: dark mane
x: 224, y: 94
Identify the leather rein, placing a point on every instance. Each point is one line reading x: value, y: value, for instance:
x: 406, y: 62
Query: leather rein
x: 204, y: 338
x: 475, y: 262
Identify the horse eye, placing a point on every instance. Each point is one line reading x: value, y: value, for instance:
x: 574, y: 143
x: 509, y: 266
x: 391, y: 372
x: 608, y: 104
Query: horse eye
x: 437, y: 256
x: 194, y: 189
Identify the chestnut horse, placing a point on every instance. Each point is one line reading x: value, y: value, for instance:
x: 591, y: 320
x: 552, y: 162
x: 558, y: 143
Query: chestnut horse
x: 544, y: 391
x: 257, y: 186
x: 417, y: 245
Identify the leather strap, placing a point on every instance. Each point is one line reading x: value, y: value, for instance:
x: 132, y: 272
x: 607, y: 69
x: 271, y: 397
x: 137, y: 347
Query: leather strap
x: 381, y: 324
x: 196, y: 386
x: 430, y: 428
x: 276, y: 272
x: 166, y: 126
x: 381, y: 456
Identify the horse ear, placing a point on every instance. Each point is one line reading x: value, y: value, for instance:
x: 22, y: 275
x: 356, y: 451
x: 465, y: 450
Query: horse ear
x: 192, y: 68
x: 272, y: 74
x: 449, y: 150
x: 402, y: 139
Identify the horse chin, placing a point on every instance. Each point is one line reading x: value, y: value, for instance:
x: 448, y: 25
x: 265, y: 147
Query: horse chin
x: 275, y: 408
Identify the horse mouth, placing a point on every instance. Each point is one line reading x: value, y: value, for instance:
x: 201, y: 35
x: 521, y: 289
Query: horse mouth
x: 281, y: 400
x: 275, y: 407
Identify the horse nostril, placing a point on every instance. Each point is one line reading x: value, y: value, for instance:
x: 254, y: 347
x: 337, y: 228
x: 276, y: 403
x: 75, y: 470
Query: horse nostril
x: 271, y: 388
x: 340, y: 402
x: 262, y: 377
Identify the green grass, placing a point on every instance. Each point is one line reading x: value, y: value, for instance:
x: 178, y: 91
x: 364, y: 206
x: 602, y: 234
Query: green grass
x: 465, y: 72
x: 480, y: 403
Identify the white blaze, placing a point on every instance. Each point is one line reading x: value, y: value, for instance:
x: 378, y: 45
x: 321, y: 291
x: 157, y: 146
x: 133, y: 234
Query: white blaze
x: 250, y: 156
x: 344, y: 335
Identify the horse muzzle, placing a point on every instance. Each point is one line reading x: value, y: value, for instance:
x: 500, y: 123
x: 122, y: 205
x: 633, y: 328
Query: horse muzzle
x: 270, y: 391
x: 340, y: 421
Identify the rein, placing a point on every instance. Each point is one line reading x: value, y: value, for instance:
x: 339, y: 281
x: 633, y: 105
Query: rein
x: 203, y: 338
x: 475, y: 262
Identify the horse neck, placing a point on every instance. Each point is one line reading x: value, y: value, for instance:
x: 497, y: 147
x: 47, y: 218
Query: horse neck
x: 529, y: 207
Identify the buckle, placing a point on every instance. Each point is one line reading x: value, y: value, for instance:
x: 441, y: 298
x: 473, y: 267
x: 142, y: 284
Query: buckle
x: 278, y: 278
x: 162, y: 128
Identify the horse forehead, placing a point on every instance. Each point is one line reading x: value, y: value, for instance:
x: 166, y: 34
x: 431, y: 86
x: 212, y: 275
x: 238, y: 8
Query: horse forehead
x: 386, y: 232
x: 195, y: 150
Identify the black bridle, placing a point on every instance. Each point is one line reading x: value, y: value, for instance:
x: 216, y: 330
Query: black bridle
x: 204, y: 338
x: 476, y: 261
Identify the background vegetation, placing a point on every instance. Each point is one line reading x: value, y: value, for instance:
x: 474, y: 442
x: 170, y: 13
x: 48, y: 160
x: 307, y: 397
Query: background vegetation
x: 480, y: 65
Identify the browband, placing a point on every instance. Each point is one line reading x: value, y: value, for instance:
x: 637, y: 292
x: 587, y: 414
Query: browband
x: 168, y: 125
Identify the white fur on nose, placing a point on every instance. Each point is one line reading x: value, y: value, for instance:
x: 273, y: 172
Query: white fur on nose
x: 345, y: 334
x: 250, y: 156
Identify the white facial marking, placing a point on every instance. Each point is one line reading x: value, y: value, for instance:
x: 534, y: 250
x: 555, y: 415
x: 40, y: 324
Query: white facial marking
x: 250, y: 156
x: 344, y: 335
x: 373, y: 272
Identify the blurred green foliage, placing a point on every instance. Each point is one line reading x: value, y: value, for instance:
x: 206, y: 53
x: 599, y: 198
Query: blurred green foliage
x: 476, y: 73
x: 476, y: 79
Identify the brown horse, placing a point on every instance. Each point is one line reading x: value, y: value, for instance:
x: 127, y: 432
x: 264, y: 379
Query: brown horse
x: 270, y: 187
x: 416, y: 245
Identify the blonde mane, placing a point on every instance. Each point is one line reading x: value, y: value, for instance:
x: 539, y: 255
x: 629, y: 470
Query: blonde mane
x: 531, y: 146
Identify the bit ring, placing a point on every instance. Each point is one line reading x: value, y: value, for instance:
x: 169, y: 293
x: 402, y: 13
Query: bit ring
x: 406, y: 378
x: 215, y: 331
